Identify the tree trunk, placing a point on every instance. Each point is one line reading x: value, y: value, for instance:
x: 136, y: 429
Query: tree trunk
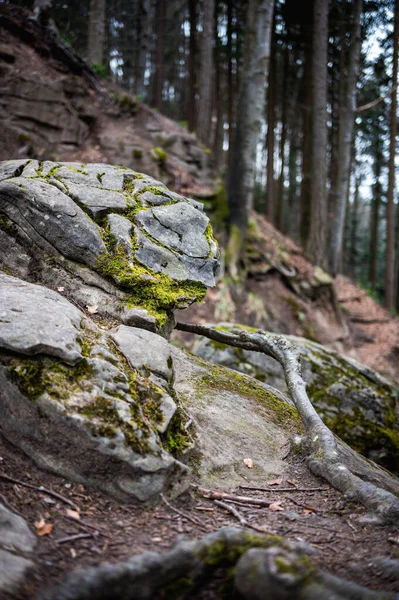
x: 374, y: 220
x: 270, y: 116
x: 217, y: 146
x: 95, y: 51
x: 353, y: 253
x: 345, y: 140
x: 306, y: 102
x: 192, y: 52
x: 316, y: 245
x: 143, y: 39
x: 284, y: 113
x: 159, y: 74
x: 390, y: 249
x: 249, y: 118
x: 230, y: 77
x: 206, y: 74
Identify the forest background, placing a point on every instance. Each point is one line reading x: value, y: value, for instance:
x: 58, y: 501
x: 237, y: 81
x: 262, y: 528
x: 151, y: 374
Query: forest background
x: 297, y: 102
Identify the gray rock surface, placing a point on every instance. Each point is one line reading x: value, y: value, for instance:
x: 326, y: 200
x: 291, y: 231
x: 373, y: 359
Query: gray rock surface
x: 93, y: 413
x: 15, y: 539
x: 93, y: 231
x: 354, y: 401
x: 35, y: 320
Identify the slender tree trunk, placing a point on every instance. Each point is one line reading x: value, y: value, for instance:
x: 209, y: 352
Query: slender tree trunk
x: 353, y: 253
x: 374, y: 221
x: 206, y: 73
x: 218, y: 133
x: 284, y: 114
x: 95, y: 51
x: 345, y: 140
x: 249, y: 117
x: 270, y: 116
x: 143, y: 39
x: 192, y: 8
x: 159, y: 74
x: 390, y: 249
x: 230, y: 91
x: 306, y: 102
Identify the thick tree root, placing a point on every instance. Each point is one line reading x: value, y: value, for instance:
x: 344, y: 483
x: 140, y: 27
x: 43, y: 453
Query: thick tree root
x: 324, y: 458
x: 263, y: 563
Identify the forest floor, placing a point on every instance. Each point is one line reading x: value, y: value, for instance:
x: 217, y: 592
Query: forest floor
x: 113, y: 531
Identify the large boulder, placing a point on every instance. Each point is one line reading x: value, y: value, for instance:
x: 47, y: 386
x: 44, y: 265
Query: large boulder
x: 357, y: 403
x: 108, y: 237
x: 120, y: 409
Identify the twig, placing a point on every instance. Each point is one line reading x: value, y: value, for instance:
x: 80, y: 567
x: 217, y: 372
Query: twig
x: 194, y: 520
x: 376, y: 101
x: 242, y: 520
x: 86, y: 525
x: 77, y: 536
x: 216, y: 495
x: 8, y: 505
x: 40, y: 488
x: 293, y: 489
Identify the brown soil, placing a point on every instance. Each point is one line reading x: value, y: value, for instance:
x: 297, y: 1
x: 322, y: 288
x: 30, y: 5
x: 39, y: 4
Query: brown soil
x: 324, y: 519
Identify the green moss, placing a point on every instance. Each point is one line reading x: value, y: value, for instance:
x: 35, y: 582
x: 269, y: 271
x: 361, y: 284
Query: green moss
x: 177, y: 438
x: 234, y: 250
x: 137, y: 153
x: 222, y: 379
x: 159, y: 154
x: 157, y: 295
x: 36, y: 376
x: 127, y: 103
x: 7, y: 225
x: 222, y: 554
x: 23, y: 138
x: 220, y: 206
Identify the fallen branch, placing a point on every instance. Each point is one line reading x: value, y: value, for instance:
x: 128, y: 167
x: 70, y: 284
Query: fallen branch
x: 217, y: 495
x: 40, y: 488
x: 241, y: 519
x: 194, y: 520
x: 73, y: 538
x: 323, y: 456
x: 291, y: 489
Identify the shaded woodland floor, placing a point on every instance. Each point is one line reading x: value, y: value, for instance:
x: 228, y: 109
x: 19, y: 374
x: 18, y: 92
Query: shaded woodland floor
x: 111, y: 531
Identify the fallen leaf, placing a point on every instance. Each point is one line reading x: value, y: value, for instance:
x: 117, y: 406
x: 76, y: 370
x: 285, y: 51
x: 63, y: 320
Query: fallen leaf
x: 43, y: 528
x: 156, y: 539
x: 60, y: 289
x: 73, y: 553
x: 275, y: 481
x: 92, y: 309
x: 72, y: 513
x: 292, y: 483
x: 275, y: 506
x: 248, y: 462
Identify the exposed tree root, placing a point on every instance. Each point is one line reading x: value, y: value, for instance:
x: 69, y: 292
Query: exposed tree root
x: 324, y: 458
x: 262, y: 563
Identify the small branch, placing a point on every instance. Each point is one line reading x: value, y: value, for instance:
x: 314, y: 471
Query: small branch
x: 366, y: 321
x: 194, y: 520
x: 293, y: 489
x: 86, y: 526
x: 216, y: 495
x: 73, y: 538
x: 40, y: 488
x: 242, y: 520
x: 377, y: 101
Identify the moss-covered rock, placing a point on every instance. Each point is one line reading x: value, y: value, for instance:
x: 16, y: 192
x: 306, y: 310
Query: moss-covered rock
x: 357, y: 403
x: 109, y: 236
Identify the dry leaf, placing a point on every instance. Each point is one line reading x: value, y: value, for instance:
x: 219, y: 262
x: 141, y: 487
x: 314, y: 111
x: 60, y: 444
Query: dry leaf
x: 43, y: 528
x: 275, y: 481
x: 156, y: 539
x: 92, y: 309
x: 73, y: 553
x: 276, y: 506
x: 72, y: 513
x: 60, y: 289
x: 248, y: 462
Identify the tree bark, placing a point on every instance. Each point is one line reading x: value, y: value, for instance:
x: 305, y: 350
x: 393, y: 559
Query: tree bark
x: 390, y: 248
x: 345, y: 140
x: 316, y: 239
x: 95, y: 51
x: 206, y: 74
x: 306, y: 101
x: 375, y: 219
x: 270, y: 119
x: 143, y: 38
x: 249, y: 117
x: 159, y: 74
x: 192, y: 52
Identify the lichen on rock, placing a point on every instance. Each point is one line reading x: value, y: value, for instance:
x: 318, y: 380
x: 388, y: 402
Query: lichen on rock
x: 123, y: 234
